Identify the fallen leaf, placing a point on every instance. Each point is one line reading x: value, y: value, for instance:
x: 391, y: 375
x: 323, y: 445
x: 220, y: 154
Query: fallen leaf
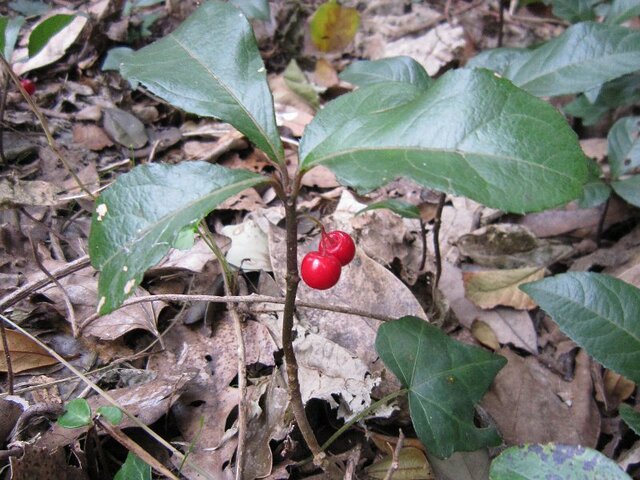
x: 485, y: 335
x: 617, y: 388
x: 124, y: 128
x: 412, y: 465
x: 37, y: 462
x: 25, y: 353
x: 296, y: 80
x: 324, y: 74
x: 249, y: 246
x: 490, y: 288
x: 333, y: 26
x: 15, y: 193
x: 531, y: 404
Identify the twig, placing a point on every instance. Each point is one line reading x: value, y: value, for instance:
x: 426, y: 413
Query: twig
x: 120, y: 437
x: 7, y: 356
x: 67, y: 301
x: 109, y: 399
x: 3, y: 104
x: 253, y: 298
x: 601, y: 220
x: 44, y: 125
x: 395, y: 461
x: 423, y: 237
x: 230, y: 288
x: 436, y: 239
x: 26, y: 290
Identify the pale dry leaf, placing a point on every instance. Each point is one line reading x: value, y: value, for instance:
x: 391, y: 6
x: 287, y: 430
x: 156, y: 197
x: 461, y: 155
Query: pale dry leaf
x: 532, y: 404
x: 595, y: 148
x: 249, y: 246
x: 491, y: 288
x: 54, y: 50
x: 25, y: 353
x: 510, y: 326
x: 483, y: 333
x: 15, y: 193
x: 412, y: 465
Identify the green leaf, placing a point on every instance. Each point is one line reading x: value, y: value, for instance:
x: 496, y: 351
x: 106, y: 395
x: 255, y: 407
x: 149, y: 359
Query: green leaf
x: 445, y: 378
x: 29, y: 8
x: 394, y: 69
x: 77, y: 413
x: 133, y: 469
x: 622, y: 10
x: 115, y: 57
x: 113, y: 414
x: 258, y: 9
x: 584, y: 56
x: 598, y: 312
x: 140, y: 217
x: 542, y: 462
x: 621, y: 91
x: 297, y: 82
x: 9, y: 29
x: 211, y: 66
x: 630, y: 416
x: 471, y: 133
x: 624, y: 146
x: 629, y: 189
x: 46, y: 29
x: 596, y: 191
x: 398, y: 207
x: 573, y: 10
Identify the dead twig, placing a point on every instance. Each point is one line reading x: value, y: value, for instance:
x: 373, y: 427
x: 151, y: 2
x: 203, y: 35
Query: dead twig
x: 395, y: 461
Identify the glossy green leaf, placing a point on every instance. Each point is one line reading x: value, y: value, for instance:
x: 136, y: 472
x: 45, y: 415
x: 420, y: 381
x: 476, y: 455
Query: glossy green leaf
x: 46, y: 29
x: 631, y: 417
x: 619, y: 92
x: 211, y: 66
x: 140, y: 217
x: 77, y: 413
x: 550, y: 461
x: 9, y: 29
x: 113, y: 414
x: 629, y: 189
x: 596, y: 191
x: 622, y: 10
x: 598, y: 312
x: 583, y: 57
x: 624, y: 146
x: 133, y: 469
x: 297, y: 82
x: 445, y: 379
x: 573, y: 10
x: 395, y: 69
x: 258, y: 9
x: 471, y: 133
x: 398, y: 207
x: 115, y: 57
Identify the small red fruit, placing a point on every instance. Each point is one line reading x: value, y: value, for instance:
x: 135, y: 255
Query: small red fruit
x: 320, y: 271
x: 28, y: 85
x: 338, y: 244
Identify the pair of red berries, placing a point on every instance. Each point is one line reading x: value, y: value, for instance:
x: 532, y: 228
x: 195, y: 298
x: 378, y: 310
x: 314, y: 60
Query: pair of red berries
x: 321, y: 269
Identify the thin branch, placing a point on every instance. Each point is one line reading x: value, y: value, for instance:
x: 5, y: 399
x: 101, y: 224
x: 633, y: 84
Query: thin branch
x: 109, y: 399
x: 436, y: 239
x: 395, y: 460
x: 44, y: 125
x: 601, y: 220
x: 7, y: 356
x: 253, y: 298
x: 423, y: 238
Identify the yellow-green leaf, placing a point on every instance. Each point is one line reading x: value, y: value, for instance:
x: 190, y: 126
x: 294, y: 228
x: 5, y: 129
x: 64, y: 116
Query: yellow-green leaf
x: 334, y: 26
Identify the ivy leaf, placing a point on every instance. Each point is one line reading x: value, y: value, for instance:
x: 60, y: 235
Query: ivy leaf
x: 394, y: 69
x: 46, y: 29
x: 77, y: 414
x: 598, y: 312
x: 141, y: 216
x: 624, y: 146
x: 134, y: 468
x: 631, y: 417
x: 470, y: 134
x: 333, y: 26
x: 445, y: 378
x: 210, y: 65
x: 9, y: 29
x: 629, y: 189
x: 584, y: 56
x: 537, y: 462
x: 113, y: 414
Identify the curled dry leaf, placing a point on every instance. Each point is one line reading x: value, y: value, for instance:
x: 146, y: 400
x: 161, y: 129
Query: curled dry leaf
x: 490, y: 288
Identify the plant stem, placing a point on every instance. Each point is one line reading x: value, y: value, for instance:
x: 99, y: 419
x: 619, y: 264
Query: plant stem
x: 423, y: 237
x: 601, y: 220
x: 436, y: 239
x: 292, y: 280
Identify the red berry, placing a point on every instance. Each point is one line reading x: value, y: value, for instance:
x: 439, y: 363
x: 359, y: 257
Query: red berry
x: 28, y: 85
x: 338, y: 244
x: 320, y: 271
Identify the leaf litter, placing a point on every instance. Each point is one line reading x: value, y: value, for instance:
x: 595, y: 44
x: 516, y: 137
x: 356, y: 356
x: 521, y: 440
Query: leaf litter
x: 546, y: 392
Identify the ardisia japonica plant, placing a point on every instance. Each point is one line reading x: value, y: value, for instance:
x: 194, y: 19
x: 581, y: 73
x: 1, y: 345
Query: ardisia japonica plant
x: 479, y: 132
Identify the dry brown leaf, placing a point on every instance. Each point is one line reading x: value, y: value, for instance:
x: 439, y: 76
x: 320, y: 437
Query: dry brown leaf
x: 510, y: 326
x: 91, y: 137
x: 25, y: 353
x: 412, y: 465
x: 531, y: 404
x: 617, y: 388
x: 485, y: 335
x: 490, y: 288
x: 595, y: 148
x: 14, y: 192
x: 43, y: 464
x: 324, y: 73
